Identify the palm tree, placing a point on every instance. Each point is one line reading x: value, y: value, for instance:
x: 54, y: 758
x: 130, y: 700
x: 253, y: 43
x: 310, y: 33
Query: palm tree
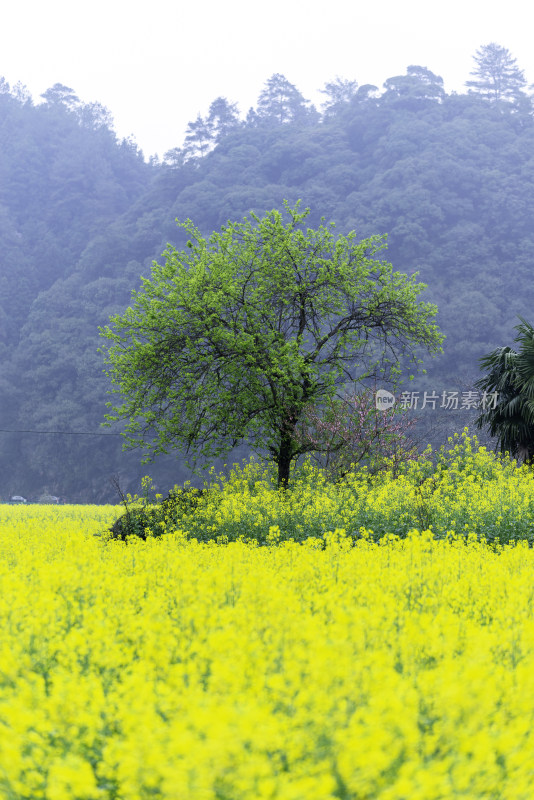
x: 510, y: 374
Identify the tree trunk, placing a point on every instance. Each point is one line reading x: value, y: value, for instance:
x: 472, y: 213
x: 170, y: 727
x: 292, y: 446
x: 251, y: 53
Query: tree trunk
x: 284, y: 461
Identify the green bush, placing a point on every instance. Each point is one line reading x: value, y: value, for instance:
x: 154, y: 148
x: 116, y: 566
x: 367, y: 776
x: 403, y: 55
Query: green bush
x: 144, y: 519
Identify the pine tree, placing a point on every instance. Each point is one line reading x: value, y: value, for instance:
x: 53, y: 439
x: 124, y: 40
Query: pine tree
x: 339, y: 92
x: 281, y: 102
x: 222, y: 117
x: 198, y: 138
x: 497, y: 75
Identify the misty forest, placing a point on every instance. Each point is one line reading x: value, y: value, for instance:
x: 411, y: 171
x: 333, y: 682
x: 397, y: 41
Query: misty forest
x: 83, y: 214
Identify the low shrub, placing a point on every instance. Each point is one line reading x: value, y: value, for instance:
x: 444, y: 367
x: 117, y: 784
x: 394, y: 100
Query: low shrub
x: 143, y: 519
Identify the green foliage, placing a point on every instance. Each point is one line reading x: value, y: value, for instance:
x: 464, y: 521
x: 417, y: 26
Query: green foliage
x: 510, y: 375
x: 232, y: 337
x: 144, y: 519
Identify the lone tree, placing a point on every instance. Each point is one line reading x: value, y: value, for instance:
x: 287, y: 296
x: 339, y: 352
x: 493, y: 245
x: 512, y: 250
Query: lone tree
x: 280, y: 102
x: 232, y: 338
x: 497, y: 75
x: 510, y: 379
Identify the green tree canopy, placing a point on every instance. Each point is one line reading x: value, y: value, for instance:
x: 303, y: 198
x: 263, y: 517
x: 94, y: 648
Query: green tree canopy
x: 230, y: 339
x: 510, y: 378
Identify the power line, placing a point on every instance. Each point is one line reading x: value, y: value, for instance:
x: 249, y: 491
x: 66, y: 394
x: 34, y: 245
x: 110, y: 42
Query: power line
x: 60, y: 433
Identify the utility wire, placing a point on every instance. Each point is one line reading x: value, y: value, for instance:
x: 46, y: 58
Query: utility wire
x: 61, y: 433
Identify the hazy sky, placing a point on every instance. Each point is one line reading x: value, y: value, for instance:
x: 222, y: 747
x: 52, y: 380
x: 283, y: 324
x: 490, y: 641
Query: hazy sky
x: 157, y: 64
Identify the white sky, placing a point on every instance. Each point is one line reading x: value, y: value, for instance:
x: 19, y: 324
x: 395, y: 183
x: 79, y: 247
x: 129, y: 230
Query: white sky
x: 157, y: 64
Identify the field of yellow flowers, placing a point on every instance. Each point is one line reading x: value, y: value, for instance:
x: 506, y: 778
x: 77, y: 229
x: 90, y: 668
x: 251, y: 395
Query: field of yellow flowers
x: 461, y: 488
x: 331, y: 667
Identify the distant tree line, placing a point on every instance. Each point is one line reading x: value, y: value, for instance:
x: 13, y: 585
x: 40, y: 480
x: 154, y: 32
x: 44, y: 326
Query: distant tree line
x: 496, y: 79
x: 448, y: 177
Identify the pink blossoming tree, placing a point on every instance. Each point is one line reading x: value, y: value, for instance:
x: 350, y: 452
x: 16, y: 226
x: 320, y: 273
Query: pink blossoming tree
x: 349, y: 431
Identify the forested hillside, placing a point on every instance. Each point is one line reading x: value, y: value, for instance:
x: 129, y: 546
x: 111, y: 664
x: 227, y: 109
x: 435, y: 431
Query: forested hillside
x: 449, y: 178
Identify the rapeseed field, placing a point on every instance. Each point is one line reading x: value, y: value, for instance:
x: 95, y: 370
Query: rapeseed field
x: 461, y: 488
x: 348, y: 663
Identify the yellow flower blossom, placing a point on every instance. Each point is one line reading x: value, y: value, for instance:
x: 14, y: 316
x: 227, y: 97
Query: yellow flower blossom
x: 312, y: 668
